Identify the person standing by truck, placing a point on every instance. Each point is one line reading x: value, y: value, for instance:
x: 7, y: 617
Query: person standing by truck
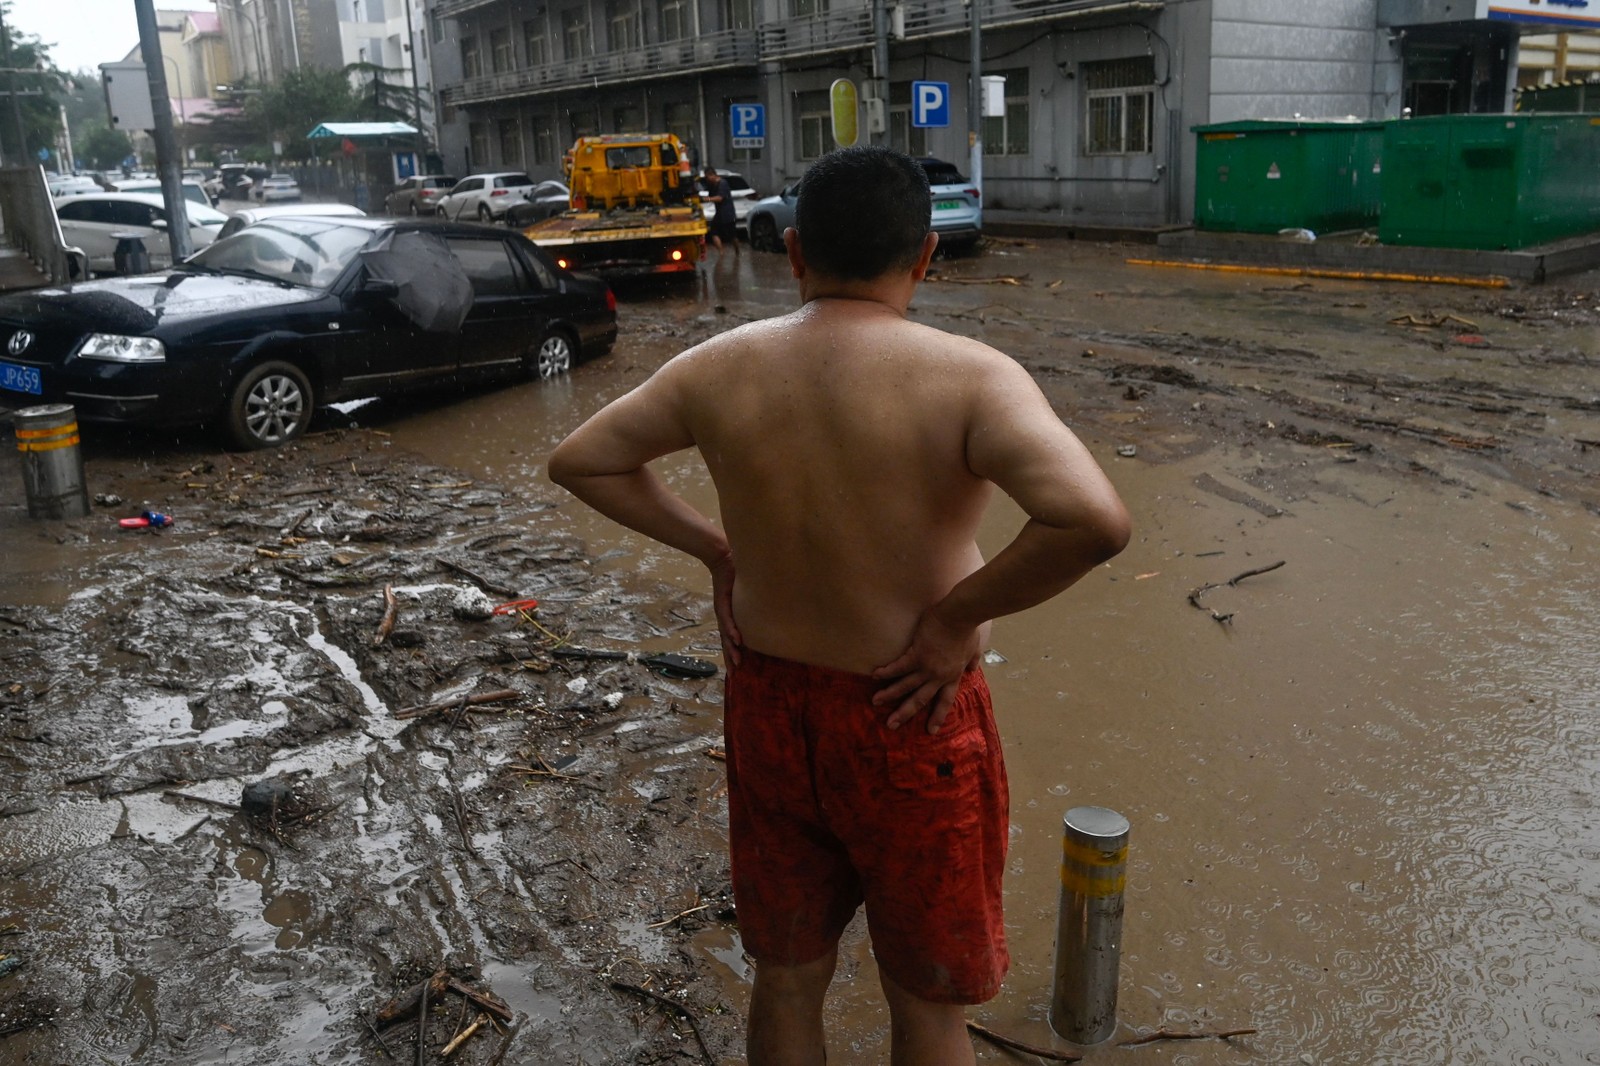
x: 725, y: 222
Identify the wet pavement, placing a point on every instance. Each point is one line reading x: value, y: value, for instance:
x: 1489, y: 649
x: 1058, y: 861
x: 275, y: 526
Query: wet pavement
x: 1363, y: 807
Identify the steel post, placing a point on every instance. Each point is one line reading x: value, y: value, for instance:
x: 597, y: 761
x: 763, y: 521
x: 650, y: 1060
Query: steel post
x: 1094, y: 856
x: 52, y: 464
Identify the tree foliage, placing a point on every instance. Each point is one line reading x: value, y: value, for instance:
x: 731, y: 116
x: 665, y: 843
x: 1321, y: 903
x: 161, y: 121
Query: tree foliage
x: 39, y: 88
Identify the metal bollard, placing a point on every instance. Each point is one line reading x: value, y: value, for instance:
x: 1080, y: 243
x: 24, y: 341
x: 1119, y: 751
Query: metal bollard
x: 52, y: 465
x: 130, y: 255
x: 1094, y: 857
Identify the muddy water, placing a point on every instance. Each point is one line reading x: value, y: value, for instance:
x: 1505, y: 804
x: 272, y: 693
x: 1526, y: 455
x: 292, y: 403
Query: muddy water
x: 1363, y: 810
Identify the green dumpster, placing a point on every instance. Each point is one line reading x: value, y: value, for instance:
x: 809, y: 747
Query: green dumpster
x: 1266, y: 176
x: 1491, y: 181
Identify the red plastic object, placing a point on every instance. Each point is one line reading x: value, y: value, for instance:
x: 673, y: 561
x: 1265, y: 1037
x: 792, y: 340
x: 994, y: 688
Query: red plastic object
x: 516, y: 606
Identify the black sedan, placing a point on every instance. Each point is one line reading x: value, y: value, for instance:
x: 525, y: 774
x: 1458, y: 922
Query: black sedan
x: 252, y: 333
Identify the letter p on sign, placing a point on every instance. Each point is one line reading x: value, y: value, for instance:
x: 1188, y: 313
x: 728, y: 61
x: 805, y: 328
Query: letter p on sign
x: 930, y: 104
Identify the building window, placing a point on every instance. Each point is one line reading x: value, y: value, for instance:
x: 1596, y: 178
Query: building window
x: 813, y: 123
x: 804, y: 9
x: 535, y: 48
x: 584, y: 124
x: 436, y: 26
x: 510, y: 142
x: 626, y: 25
x: 576, y: 40
x: 676, y: 20
x: 1120, y: 106
x: 903, y: 136
x: 627, y: 119
x: 680, y: 121
x: 738, y: 14
x: 500, y: 54
x: 544, y: 143
x: 478, y: 143
x: 471, y: 61
x: 1008, y: 134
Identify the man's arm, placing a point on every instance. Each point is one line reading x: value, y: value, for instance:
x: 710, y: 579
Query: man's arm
x: 1075, y: 522
x: 603, y: 462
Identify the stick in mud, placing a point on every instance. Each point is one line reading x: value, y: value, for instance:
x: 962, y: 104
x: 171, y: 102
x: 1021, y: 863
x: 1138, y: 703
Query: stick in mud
x: 422, y: 1024
x: 1194, y: 597
x: 1018, y: 1045
x: 391, y: 612
x: 1200, y: 1034
x: 475, y: 700
x: 677, y: 1008
x: 465, y: 1035
x: 489, y: 1002
x: 405, y: 1005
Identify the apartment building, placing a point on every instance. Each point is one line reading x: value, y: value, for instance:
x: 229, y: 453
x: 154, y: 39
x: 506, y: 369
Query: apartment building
x: 1100, y: 96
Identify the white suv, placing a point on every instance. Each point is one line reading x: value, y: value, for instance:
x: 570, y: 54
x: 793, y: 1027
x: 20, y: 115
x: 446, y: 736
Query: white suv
x: 485, y: 197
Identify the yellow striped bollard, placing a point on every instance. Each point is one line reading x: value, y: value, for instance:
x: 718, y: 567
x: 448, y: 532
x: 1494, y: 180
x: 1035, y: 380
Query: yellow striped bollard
x: 52, y: 464
x: 1094, y: 863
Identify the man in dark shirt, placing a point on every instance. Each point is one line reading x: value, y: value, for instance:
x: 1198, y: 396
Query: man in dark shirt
x: 725, y: 223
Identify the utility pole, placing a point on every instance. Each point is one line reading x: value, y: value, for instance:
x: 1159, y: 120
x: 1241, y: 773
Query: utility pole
x: 879, y: 112
x: 416, y: 90
x: 168, y: 165
x: 11, y: 89
x: 975, y: 101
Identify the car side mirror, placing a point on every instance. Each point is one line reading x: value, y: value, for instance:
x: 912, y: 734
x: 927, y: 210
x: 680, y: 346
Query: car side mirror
x: 385, y: 288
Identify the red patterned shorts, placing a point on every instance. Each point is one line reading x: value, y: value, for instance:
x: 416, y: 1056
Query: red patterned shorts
x: 829, y: 809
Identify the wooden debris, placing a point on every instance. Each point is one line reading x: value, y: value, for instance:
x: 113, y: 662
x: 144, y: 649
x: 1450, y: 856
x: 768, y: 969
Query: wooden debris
x: 677, y: 1008
x: 675, y: 917
x: 404, y: 1005
x: 477, y: 579
x: 473, y: 701
x: 1194, y: 597
x: 1018, y: 1045
x: 422, y: 1024
x: 486, y: 1000
x: 466, y: 1034
x: 1199, y: 1034
x: 1427, y: 321
x: 993, y: 279
x: 391, y: 613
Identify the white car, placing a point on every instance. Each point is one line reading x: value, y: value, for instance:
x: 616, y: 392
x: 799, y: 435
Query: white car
x: 60, y: 187
x: 275, y: 189
x: 94, y: 221
x: 744, y: 197
x: 485, y: 197
x: 193, y: 191
x: 249, y: 216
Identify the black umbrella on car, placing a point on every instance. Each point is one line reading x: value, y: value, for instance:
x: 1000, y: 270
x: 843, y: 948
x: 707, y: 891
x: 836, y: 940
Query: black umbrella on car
x: 431, y: 289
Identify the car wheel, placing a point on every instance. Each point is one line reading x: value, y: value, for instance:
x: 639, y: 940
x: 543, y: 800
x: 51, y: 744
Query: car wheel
x: 271, y: 405
x: 554, y: 356
x: 483, y: 213
x: 763, y: 234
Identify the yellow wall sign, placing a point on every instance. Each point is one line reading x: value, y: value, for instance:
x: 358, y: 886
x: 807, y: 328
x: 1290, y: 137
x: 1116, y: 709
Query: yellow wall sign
x: 842, y: 97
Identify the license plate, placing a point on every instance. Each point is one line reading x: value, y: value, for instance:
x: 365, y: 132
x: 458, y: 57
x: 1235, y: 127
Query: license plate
x: 948, y: 205
x: 20, y: 379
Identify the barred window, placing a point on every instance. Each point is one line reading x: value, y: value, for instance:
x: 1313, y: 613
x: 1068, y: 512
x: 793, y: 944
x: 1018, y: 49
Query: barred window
x: 1008, y: 134
x: 1119, y: 116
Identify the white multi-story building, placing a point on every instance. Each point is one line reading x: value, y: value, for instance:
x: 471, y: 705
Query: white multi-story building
x: 1100, y: 96
x: 384, y: 34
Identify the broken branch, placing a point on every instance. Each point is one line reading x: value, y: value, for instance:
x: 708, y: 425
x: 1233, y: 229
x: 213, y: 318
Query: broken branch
x: 1017, y: 1045
x: 405, y: 1005
x: 391, y: 611
x: 465, y: 1035
x: 677, y: 1008
x: 1194, y: 596
x: 497, y: 696
x: 489, y: 1002
x: 1201, y: 1034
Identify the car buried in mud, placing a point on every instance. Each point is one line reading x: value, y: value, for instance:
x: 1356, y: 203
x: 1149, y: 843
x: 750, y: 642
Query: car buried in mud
x: 256, y: 331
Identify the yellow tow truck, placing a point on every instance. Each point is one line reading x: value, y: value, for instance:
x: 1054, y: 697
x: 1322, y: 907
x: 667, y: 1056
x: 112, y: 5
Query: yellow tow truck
x: 635, y: 208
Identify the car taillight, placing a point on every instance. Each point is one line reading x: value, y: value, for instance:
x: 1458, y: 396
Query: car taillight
x: 425, y: 193
x: 677, y: 254
x: 975, y: 194
x: 563, y: 264
x: 498, y: 192
x: 611, y: 299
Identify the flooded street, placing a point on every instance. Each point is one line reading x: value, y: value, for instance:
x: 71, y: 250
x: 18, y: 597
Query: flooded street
x: 1364, y: 804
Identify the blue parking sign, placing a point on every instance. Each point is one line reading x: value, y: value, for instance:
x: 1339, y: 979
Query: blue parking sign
x: 930, y: 104
x: 748, y: 124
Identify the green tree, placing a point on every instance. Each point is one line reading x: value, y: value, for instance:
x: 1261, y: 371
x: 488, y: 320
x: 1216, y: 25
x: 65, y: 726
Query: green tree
x: 286, y: 112
x: 385, y: 94
x: 37, y: 85
x: 99, y: 147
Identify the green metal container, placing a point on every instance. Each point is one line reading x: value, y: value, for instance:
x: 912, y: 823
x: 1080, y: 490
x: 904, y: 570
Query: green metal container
x: 1491, y: 181
x: 1263, y: 176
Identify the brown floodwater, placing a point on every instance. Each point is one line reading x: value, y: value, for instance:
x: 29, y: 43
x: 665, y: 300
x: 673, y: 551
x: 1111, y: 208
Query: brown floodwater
x: 1363, y: 811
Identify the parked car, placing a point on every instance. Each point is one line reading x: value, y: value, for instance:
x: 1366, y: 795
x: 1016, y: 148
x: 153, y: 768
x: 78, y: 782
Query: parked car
x: 957, y: 212
x: 232, y: 182
x: 769, y: 217
x: 744, y: 197
x: 93, y: 221
x: 545, y: 200
x: 253, y: 333
x: 249, y: 216
x: 275, y: 189
x: 193, y: 191
x: 485, y: 197
x: 957, y: 216
x: 416, y: 195
x: 72, y: 186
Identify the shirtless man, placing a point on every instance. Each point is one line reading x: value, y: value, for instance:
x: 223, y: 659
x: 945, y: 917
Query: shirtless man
x: 854, y: 453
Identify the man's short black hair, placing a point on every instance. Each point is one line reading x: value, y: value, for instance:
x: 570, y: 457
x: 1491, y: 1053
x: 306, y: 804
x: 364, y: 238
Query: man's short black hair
x: 863, y: 212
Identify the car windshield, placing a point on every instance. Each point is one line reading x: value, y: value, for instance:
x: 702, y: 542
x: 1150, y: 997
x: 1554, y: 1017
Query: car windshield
x: 300, y: 251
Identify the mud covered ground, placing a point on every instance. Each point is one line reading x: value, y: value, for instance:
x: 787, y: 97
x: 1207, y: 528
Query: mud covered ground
x: 542, y: 847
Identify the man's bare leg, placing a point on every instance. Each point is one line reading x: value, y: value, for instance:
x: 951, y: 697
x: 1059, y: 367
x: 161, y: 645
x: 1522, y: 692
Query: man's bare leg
x: 923, y: 1033
x: 786, y: 1013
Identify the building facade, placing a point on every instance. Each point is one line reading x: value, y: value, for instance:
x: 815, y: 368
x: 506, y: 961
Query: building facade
x: 385, y: 34
x: 1100, y: 96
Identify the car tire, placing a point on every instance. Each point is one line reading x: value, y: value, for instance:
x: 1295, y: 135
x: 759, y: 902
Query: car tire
x: 484, y: 214
x: 763, y: 234
x: 270, y: 406
x: 555, y: 356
